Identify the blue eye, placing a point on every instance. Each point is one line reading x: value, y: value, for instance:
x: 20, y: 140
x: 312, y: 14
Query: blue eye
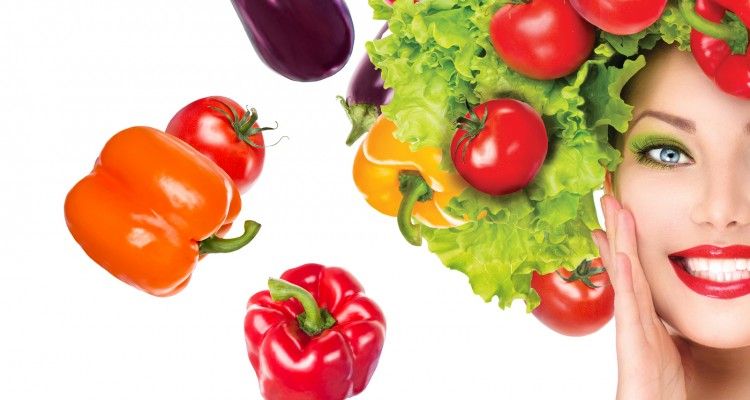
x: 664, y: 156
x: 659, y: 151
x: 668, y: 155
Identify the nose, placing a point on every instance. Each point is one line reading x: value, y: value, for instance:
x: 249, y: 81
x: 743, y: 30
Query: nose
x: 725, y: 202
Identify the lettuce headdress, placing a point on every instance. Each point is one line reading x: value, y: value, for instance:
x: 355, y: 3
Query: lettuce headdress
x: 438, y: 58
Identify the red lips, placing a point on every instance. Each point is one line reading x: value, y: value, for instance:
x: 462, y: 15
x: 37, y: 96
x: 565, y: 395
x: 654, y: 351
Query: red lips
x: 705, y: 287
x: 708, y: 251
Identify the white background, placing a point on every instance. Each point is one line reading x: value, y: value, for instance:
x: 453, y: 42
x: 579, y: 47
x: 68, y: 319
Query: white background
x: 72, y: 74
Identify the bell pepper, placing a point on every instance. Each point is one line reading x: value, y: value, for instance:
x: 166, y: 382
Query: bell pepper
x: 313, y: 335
x: 403, y: 183
x: 151, y: 207
x: 711, y: 42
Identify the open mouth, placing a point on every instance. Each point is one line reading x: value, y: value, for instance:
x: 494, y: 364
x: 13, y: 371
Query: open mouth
x: 722, y: 278
x: 716, y: 269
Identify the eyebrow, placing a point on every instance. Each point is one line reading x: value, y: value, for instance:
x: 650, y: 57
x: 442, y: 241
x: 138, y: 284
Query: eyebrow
x: 678, y: 122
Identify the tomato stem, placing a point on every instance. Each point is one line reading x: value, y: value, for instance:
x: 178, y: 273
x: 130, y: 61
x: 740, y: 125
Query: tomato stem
x: 583, y: 273
x: 472, y: 127
x: 243, y: 126
x: 215, y: 244
x: 414, y: 188
x: 315, y: 319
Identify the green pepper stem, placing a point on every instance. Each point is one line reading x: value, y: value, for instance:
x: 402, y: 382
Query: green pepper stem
x: 414, y: 188
x: 710, y: 28
x: 314, y: 320
x: 215, y: 244
x: 362, y: 117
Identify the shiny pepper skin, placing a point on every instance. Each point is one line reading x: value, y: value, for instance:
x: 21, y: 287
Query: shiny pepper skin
x: 731, y: 72
x: 333, y: 364
x: 150, y: 208
x: 378, y: 163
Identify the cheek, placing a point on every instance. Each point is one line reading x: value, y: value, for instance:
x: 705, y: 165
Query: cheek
x: 660, y: 203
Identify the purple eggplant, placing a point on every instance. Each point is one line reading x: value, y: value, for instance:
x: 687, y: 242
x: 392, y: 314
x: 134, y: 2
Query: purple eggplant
x: 303, y: 40
x: 366, y: 95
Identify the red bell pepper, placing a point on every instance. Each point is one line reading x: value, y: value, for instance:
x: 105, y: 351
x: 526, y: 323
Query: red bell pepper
x: 313, y: 335
x: 710, y: 42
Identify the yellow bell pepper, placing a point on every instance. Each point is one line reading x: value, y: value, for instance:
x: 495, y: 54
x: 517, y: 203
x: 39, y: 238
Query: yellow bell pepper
x: 403, y: 183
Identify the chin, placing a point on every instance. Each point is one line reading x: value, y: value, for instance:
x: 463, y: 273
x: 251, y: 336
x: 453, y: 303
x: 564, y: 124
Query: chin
x: 714, y: 328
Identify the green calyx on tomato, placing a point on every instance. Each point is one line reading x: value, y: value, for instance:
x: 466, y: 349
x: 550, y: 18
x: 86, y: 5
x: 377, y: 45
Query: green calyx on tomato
x: 245, y: 126
x: 471, y: 126
x: 583, y: 273
x: 578, y: 304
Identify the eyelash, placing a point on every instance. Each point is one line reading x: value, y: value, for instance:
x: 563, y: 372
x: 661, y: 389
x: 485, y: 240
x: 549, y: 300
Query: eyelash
x: 642, y: 156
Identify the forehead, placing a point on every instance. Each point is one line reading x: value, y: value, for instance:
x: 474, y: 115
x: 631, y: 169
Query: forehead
x: 672, y: 82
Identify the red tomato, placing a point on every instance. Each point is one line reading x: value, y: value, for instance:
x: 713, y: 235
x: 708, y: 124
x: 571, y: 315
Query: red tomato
x: 620, y: 17
x: 500, y: 146
x: 573, y: 308
x: 543, y: 39
x: 223, y: 131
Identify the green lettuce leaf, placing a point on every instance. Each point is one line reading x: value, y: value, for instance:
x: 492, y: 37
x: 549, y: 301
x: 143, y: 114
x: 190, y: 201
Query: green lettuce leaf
x: 437, y: 58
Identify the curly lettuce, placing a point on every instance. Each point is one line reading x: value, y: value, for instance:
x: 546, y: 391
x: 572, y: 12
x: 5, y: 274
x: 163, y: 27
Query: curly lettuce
x: 437, y: 58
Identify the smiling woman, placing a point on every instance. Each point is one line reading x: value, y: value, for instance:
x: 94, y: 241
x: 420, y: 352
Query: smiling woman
x: 684, y: 232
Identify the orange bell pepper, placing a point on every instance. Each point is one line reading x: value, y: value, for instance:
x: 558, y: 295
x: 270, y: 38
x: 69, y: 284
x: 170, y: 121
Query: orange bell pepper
x: 151, y: 207
x: 404, y: 183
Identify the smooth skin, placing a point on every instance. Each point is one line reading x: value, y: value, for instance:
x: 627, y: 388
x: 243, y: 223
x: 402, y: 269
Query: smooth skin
x: 673, y: 343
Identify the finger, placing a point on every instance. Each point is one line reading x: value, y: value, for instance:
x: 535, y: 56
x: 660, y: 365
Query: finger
x: 610, y: 206
x: 602, y: 243
x: 626, y: 243
x: 633, y: 348
x: 629, y: 329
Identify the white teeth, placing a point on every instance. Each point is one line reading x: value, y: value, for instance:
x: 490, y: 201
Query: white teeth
x: 719, y: 270
x: 728, y: 265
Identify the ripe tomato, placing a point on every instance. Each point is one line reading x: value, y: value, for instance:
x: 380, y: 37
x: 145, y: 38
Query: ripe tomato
x: 500, y: 146
x: 223, y: 131
x: 542, y: 39
x: 572, y: 307
x: 620, y: 17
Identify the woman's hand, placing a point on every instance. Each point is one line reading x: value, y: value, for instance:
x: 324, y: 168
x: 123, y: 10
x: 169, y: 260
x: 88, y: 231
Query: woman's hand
x: 649, y: 361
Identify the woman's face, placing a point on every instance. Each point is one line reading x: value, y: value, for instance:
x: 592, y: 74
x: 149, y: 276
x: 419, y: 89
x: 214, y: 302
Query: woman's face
x: 686, y: 179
